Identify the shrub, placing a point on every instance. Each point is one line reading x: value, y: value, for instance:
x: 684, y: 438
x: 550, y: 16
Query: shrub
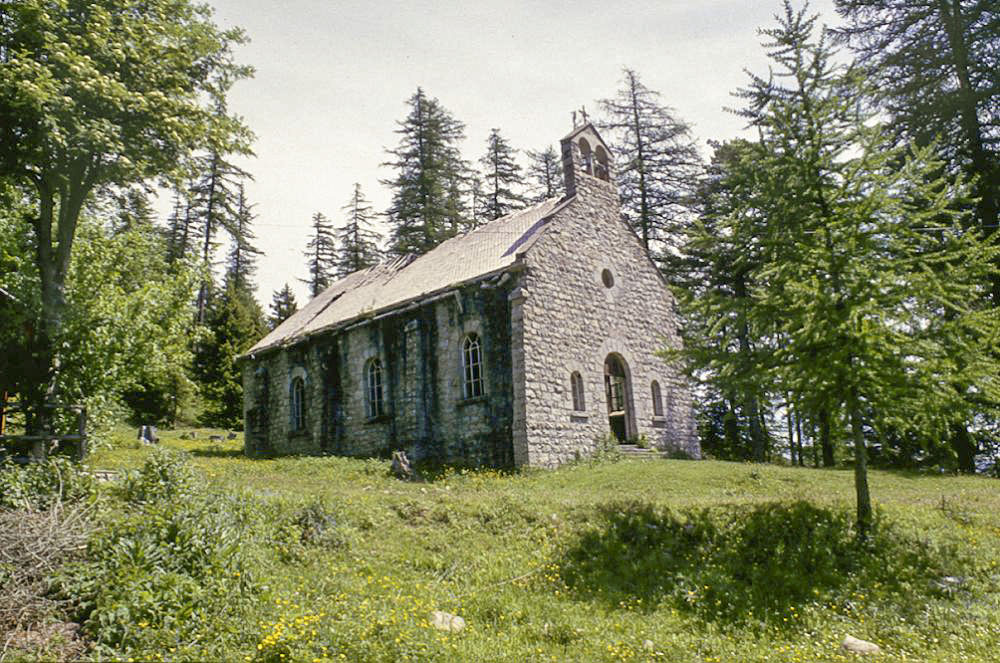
x: 38, y: 486
x: 166, y: 475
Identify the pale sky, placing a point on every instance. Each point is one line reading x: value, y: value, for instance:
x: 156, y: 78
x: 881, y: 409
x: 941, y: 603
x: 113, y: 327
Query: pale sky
x: 333, y: 75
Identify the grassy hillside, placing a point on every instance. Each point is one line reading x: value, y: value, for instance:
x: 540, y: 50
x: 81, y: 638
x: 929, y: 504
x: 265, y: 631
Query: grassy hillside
x: 609, y: 561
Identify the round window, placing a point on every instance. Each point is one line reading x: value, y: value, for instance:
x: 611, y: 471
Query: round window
x: 607, y: 278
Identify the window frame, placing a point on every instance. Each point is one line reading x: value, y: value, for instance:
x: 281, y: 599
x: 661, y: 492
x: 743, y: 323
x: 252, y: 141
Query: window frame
x: 576, y: 388
x: 298, y: 404
x: 657, y: 395
x: 473, y: 384
x: 374, y: 389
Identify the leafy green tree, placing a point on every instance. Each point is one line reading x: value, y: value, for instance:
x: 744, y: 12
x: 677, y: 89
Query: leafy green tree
x: 544, y: 174
x: 320, y: 254
x: 501, y: 177
x: 357, y: 241
x: 656, y: 161
x: 96, y: 93
x: 869, y: 280
x: 234, y: 323
x: 427, y: 205
x: 283, y: 305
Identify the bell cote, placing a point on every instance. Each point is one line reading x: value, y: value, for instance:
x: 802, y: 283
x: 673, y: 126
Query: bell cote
x: 585, y: 157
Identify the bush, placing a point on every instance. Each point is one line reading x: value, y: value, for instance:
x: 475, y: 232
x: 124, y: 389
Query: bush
x: 39, y: 486
x: 173, y: 567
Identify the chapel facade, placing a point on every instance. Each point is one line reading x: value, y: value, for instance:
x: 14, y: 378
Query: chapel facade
x: 523, y: 342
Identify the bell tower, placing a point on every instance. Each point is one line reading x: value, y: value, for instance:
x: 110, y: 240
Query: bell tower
x: 585, y: 157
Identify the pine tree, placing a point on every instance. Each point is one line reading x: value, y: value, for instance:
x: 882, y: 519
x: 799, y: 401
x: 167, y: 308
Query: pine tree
x: 234, y: 322
x: 180, y: 225
x: 357, y: 241
x: 936, y: 67
x: 501, y: 177
x: 425, y: 208
x: 216, y: 203
x: 868, y: 278
x: 656, y: 162
x: 544, y: 174
x: 714, y: 278
x: 321, y: 255
x: 241, y: 265
x: 282, y: 306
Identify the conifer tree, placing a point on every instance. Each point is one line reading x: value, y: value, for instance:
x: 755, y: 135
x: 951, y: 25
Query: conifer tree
x: 426, y: 203
x: 357, y: 241
x: 241, y: 265
x: 656, y: 162
x: 320, y: 254
x: 715, y: 279
x: 501, y: 177
x: 283, y: 305
x: 868, y: 278
x: 936, y: 68
x: 544, y: 174
x: 180, y: 225
x: 216, y: 199
x: 234, y: 322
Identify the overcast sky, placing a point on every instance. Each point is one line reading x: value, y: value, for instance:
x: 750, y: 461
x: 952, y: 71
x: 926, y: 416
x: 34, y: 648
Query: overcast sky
x: 333, y: 75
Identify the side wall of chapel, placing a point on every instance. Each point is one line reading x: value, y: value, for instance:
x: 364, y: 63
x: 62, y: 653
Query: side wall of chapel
x: 425, y: 408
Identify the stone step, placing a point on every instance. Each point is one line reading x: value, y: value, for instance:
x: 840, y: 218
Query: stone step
x: 635, y: 451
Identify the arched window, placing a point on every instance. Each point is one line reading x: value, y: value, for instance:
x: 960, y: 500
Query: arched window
x: 601, y: 169
x: 576, y: 383
x: 587, y: 156
x: 374, y: 402
x: 657, y: 400
x: 472, y: 363
x: 298, y: 404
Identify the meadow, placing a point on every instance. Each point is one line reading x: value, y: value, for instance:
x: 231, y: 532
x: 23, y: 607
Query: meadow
x: 203, y: 553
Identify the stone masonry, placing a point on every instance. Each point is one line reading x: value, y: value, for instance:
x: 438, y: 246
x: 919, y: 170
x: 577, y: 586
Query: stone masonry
x: 574, y: 291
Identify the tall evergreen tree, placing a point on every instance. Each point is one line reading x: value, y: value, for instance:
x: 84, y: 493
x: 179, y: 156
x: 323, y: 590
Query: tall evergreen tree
x: 868, y: 278
x: 544, y: 174
x: 234, y: 322
x: 425, y: 209
x: 217, y: 200
x: 357, y: 241
x: 180, y: 225
x: 241, y: 265
x: 715, y: 279
x: 320, y: 254
x: 936, y: 65
x: 656, y: 162
x: 501, y: 177
x: 283, y: 305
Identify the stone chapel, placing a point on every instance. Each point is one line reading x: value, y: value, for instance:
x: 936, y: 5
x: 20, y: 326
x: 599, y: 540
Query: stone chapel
x: 522, y: 342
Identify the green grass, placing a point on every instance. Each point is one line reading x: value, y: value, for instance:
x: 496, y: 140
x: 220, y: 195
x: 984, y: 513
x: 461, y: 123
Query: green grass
x: 612, y: 561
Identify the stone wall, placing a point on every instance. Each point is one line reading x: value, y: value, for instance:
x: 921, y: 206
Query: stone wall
x: 426, y: 412
x: 569, y: 320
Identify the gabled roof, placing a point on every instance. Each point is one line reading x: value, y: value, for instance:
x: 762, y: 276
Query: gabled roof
x: 489, y: 249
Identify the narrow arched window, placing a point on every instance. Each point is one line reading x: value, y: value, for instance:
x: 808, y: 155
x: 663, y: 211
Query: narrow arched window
x: 576, y: 383
x: 586, y: 156
x: 657, y: 400
x: 472, y: 364
x: 374, y: 403
x: 298, y: 404
x: 601, y: 169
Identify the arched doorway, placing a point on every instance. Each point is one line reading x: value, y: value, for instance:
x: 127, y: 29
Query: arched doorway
x: 618, y: 391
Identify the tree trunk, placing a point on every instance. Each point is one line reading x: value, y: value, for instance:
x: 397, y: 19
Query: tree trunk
x: 864, y: 502
x: 964, y: 448
x: 791, y: 429
x: 798, y: 435
x: 731, y: 428
x: 824, y: 436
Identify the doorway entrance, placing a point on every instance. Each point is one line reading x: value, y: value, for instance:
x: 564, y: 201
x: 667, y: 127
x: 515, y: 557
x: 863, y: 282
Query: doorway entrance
x: 618, y: 393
